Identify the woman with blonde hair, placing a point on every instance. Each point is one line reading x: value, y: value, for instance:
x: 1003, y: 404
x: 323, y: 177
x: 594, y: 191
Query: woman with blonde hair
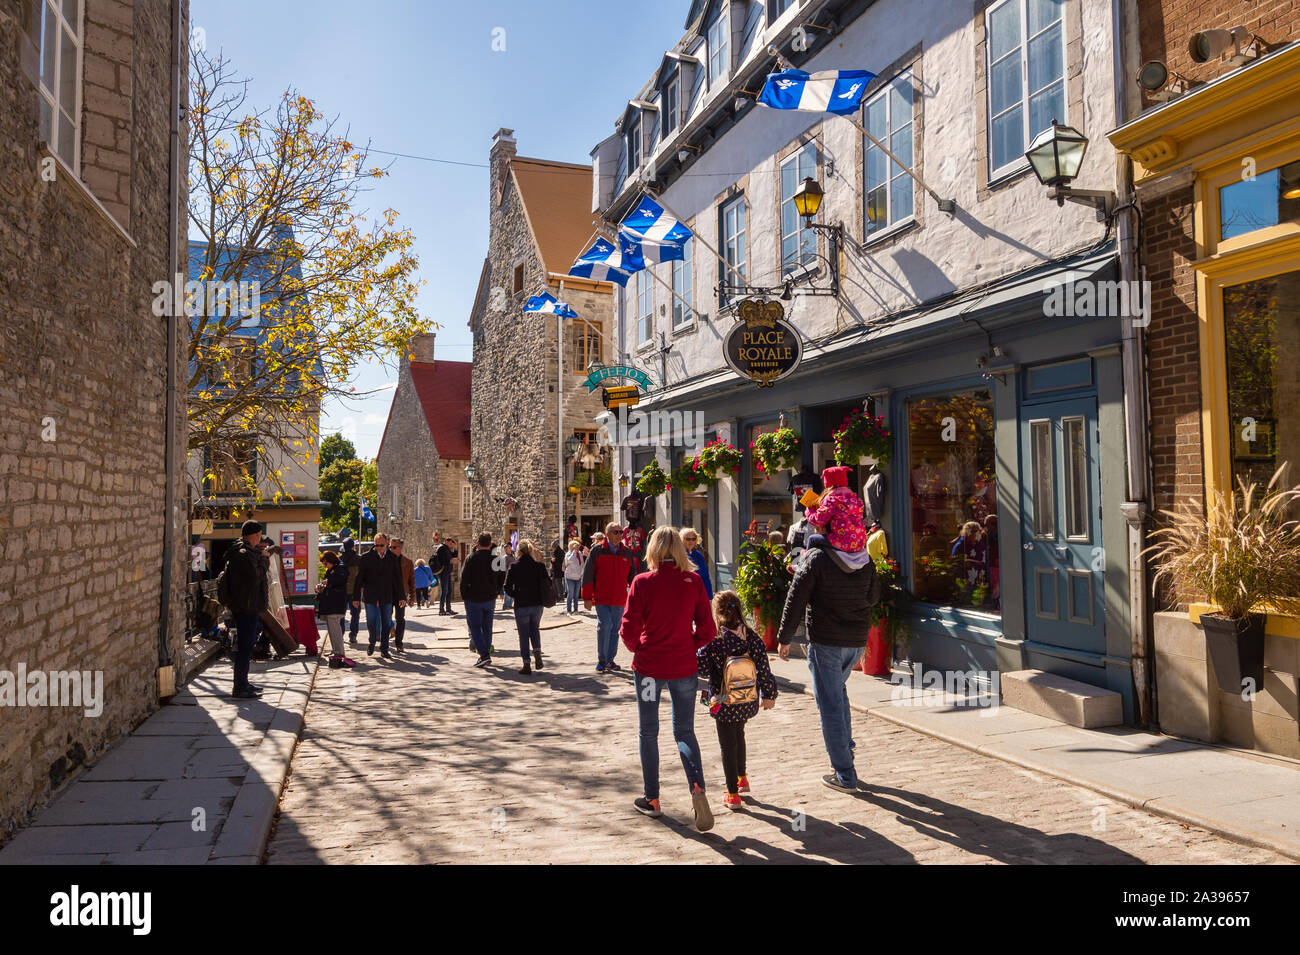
x: 667, y: 619
x: 527, y: 584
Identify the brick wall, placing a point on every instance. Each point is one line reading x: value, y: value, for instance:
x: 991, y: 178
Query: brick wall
x: 1173, y: 354
x: 82, y: 397
x: 1166, y: 26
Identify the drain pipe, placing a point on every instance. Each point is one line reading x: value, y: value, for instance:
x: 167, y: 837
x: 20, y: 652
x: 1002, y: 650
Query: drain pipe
x: 166, y: 670
x: 1136, y: 417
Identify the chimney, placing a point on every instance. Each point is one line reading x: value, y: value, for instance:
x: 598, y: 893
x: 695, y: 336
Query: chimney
x: 420, y: 347
x: 503, y: 151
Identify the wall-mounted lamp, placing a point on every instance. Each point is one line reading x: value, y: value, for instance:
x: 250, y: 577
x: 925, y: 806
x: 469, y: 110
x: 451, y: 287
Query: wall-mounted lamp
x: 1056, y: 155
x: 1160, y: 83
x: 808, y: 200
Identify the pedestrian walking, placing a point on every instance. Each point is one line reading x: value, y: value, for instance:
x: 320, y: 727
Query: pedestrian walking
x: 423, y: 581
x: 529, y: 585
x: 350, y: 559
x: 557, y: 569
x: 605, y: 579
x: 408, y: 589
x: 667, y: 621
x: 332, y: 605
x: 441, y: 562
x: 574, y: 564
x: 380, y: 587
x: 833, y: 592
x: 740, y: 681
x: 509, y: 558
x: 243, y: 588
x: 698, y: 561
x: 480, y: 585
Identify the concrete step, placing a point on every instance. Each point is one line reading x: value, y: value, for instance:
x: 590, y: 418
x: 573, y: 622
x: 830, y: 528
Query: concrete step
x: 1060, y: 698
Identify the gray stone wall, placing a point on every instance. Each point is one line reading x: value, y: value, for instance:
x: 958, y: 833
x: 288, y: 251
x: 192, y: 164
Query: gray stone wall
x: 82, y: 397
x: 514, y: 435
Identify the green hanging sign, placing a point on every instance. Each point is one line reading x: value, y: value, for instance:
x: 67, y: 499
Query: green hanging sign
x: 626, y: 372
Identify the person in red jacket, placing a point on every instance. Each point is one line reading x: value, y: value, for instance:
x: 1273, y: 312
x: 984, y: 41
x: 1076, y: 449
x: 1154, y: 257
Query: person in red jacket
x: 605, y: 578
x: 666, y: 621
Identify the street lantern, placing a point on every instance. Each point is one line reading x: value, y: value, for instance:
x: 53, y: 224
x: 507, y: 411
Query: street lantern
x: 1057, y: 154
x: 809, y: 198
x: 572, y: 444
x: 471, y: 472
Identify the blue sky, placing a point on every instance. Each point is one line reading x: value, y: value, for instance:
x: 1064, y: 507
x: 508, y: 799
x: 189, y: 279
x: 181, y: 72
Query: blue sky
x: 422, y: 78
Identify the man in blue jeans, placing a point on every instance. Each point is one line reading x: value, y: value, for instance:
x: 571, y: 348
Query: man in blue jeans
x: 379, y: 586
x: 605, y: 578
x: 480, y: 585
x: 833, y: 591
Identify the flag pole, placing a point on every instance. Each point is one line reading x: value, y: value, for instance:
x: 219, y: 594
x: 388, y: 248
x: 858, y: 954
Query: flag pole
x: 559, y: 418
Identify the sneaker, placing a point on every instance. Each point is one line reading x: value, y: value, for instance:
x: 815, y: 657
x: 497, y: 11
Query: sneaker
x: 703, y: 815
x: 483, y: 661
x: 600, y: 667
x: 733, y: 802
x: 611, y: 666
x: 832, y: 781
x: 647, y: 807
x: 245, y: 694
x: 336, y: 663
x: 742, y: 784
x: 537, y: 659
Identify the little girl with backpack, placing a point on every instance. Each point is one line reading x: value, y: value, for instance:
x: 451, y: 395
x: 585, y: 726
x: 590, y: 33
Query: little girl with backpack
x: 735, y: 663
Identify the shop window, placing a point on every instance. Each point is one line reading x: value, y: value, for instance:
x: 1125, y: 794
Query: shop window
x: 1268, y: 199
x: 695, y: 513
x: 771, y: 507
x: 1261, y: 332
x: 953, y: 499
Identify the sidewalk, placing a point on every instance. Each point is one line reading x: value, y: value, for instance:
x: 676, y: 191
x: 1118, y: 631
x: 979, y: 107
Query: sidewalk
x: 197, y: 782
x: 1254, y: 799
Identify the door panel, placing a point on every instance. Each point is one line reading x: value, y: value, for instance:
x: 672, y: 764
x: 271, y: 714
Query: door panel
x: 1060, y: 486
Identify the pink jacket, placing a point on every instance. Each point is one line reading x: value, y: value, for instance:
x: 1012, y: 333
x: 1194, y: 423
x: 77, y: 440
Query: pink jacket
x: 841, y: 511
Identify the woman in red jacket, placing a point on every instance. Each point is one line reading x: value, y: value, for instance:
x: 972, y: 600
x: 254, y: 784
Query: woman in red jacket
x: 666, y: 620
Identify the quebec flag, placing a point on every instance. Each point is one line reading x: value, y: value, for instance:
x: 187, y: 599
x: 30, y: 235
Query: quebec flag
x: 650, y: 224
x: 652, y: 253
x: 547, y: 304
x: 365, y: 510
x: 604, y: 262
x: 832, y: 91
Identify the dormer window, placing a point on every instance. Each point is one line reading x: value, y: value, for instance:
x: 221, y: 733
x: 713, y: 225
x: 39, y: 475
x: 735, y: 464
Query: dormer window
x: 633, y: 144
x: 671, y: 100
x: 719, y: 37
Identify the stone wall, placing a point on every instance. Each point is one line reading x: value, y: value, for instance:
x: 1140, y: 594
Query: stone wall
x: 514, y: 438
x: 83, y: 399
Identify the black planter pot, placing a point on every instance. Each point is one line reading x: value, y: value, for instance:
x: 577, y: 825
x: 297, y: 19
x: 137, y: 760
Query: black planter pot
x: 1236, y: 649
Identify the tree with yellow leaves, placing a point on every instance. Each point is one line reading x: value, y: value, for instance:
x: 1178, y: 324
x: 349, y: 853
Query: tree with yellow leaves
x: 274, y: 204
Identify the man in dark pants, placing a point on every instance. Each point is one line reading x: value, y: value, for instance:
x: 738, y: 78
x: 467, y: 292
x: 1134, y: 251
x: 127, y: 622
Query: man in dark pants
x: 480, y: 585
x: 349, y: 559
x: 442, y: 559
x: 379, y: 586
x: 408, y: 585
x: 244, y: 589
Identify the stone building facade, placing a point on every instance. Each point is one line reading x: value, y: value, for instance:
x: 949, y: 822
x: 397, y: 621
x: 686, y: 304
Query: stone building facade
x: 423, y: 453
x: 84, y: 228
x: 540, y: 221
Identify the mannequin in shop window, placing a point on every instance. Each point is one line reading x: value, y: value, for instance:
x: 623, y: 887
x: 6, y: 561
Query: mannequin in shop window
x: 873, y: 495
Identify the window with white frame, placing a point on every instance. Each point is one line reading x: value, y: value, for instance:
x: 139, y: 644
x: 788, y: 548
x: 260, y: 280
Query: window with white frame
x: 777, y: 7
x: 732, y: 222
x: 466, y: 503
x: 798, y: 243
x: 670, y: 103
x: 58, y: 78
x: 719, y: 37
x: 419, y: 502
x: 645, y: 307
x: 633, y: 145
x: 890, y: 194
x: 1026, y: 76
x: 684, y: 287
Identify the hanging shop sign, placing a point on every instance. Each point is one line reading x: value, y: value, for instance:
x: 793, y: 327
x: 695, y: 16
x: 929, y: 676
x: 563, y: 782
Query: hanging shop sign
x: 620, y: 396
x: 624, y: 372
x: 763, y: 346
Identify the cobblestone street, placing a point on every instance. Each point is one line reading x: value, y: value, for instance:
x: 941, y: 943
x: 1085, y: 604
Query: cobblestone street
x: 428, y: 760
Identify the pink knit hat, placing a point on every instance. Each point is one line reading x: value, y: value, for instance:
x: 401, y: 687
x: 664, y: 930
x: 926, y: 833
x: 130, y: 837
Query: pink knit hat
x: 835, y: 477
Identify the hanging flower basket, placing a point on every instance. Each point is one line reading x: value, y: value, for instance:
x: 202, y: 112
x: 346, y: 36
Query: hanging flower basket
x: 684, y: 477
x: 652, y: 481
x: 776, y: 451
x: 718, y: 459
x: 861, y: 435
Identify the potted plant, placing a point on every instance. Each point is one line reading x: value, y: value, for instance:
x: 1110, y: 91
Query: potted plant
x: 887, y: 626
x: 861, y: 436
x: 684, y: 477
x: 761, y: 583
x: 652, y: 481
x: 1243, y: 556
x: 776, y: 451
x: 716, y: 460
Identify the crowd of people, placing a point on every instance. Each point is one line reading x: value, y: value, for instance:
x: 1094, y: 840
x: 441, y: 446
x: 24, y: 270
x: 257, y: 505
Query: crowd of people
x: 660, y: 604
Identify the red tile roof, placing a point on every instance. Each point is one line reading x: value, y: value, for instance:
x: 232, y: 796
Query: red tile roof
x: 443, y: 389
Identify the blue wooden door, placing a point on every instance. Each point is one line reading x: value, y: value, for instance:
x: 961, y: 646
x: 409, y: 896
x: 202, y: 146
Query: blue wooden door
x: 1061, y: 521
